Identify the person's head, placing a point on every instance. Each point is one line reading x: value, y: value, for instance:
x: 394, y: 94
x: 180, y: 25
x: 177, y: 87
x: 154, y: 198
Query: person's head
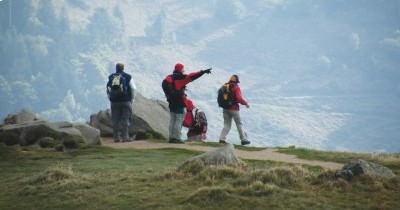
x: 234, y: 79
x: 119, y: 67
x: 179, y: 68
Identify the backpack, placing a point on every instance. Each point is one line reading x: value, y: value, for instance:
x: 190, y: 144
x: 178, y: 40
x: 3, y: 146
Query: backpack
x: 196, y: 121
x: 225, y: 97
x: 167, y: 87
x: 173, y: 95
x: 200, y: 121
x: 198, y: 128
x: 188, y: 119
x: 117, y: 87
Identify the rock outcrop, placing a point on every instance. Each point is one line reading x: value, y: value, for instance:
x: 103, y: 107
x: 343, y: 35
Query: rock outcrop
x: 359, y: 167
x: 222, y: 156
x: 150, y: 119
x: 20, y: 117
x: 29, y: 130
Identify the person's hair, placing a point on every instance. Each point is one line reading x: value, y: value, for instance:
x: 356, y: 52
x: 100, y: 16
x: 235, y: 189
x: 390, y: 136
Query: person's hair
x: 119, y: 67
x: 234, y: 78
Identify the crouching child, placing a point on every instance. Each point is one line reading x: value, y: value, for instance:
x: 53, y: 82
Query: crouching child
x: 196, y: 122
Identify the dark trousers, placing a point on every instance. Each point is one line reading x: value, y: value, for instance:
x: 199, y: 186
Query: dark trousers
x: 121, y: 113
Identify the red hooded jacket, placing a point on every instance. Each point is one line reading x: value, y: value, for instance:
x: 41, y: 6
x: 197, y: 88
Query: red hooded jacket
x: 178, y: 81
x: 237, y: 94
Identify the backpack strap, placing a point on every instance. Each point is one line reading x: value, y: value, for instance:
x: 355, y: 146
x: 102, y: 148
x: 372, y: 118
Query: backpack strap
x: 196, y: 117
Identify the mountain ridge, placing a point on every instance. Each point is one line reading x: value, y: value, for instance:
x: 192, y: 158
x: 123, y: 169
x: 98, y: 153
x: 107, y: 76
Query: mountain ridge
x: 279, y: 49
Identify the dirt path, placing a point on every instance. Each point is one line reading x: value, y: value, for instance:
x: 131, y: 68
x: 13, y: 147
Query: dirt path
x: 267, y: 154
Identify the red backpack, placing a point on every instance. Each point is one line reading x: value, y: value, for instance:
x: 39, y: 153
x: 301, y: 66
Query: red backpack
x: 188, y: 119
x: 195, y: 119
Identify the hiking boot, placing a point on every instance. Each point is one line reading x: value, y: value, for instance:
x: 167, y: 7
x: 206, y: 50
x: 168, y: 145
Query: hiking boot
x: 127, y: 140
x: 245, y: 142
x: 222, y: 141
x: 175, y: 141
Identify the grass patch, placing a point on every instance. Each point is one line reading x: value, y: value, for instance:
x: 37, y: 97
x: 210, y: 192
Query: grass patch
x: 391, y: 161
x: 97, y: 177
x: 56, y: 178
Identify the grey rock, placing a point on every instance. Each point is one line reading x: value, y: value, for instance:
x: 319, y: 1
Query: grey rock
x: 344, y: 174
x: 28, y: 133
x: 154, y: 112
x: 359, y: 167
x: 149, y: 116
x: 90, y: 134
x: 222, y: 156
x: 102, y: 121
x: 20, y: 117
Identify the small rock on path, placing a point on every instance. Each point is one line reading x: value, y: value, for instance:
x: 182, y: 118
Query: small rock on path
x: 266, y: 154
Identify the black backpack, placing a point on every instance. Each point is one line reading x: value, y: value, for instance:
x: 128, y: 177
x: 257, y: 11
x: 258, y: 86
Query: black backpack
x: 168, y: 88
x: 225, y: 96
x: 173, y: 95
x: 117, y: 87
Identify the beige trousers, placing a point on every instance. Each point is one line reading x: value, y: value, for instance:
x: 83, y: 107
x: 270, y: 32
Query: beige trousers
x: 228, y: 116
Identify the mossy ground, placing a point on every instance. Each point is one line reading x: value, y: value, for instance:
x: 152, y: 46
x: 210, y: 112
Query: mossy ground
x: 103, y: 178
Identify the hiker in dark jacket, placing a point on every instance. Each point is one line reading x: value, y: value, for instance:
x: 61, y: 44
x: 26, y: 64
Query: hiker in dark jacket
x: 232, y: 112
x: 174, y: 86
x: 121, y: 103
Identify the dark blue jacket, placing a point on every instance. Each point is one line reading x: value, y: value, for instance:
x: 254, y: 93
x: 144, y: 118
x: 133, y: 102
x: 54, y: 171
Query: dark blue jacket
x: 131, y: 94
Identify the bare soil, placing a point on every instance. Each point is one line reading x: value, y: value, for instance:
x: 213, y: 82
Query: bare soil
x: 266, y: 154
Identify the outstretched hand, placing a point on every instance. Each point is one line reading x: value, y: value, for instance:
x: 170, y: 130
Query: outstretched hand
x: 208, y: 71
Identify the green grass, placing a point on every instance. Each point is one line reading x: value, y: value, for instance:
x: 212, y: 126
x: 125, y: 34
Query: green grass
x: 389, y: 160
x: 104, y: 178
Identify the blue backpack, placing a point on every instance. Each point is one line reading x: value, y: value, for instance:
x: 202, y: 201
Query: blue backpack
x: 117, y: 87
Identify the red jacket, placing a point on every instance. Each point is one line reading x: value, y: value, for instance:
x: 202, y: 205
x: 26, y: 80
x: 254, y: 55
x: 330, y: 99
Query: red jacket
x: 237, y: 94
x: 186, y: 79
x: 178, y: 81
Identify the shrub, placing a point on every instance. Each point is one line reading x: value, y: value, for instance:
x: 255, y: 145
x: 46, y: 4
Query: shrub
x: 259, y: 189
x: 72, y: 142
x: 193, y: 167
x: 47, y: 142
x: 55, y: 178
x: 286, y: 177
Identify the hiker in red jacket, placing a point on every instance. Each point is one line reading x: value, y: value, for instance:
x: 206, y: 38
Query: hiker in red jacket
x: 196, y: 122
x: 174, y: 86
x: 232, y: 111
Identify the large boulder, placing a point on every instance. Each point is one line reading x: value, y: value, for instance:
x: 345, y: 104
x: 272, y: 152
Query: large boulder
x: 359, y: 167
x: 20, y: 117
x: 69, y: 134
x: 149, y: 117
x: 102, y: 121
x: 222, y: 156
x: 90, y: 134
x: 154, y: 112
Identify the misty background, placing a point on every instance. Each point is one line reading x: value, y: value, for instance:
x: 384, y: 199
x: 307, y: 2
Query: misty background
x: 317, y: 74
